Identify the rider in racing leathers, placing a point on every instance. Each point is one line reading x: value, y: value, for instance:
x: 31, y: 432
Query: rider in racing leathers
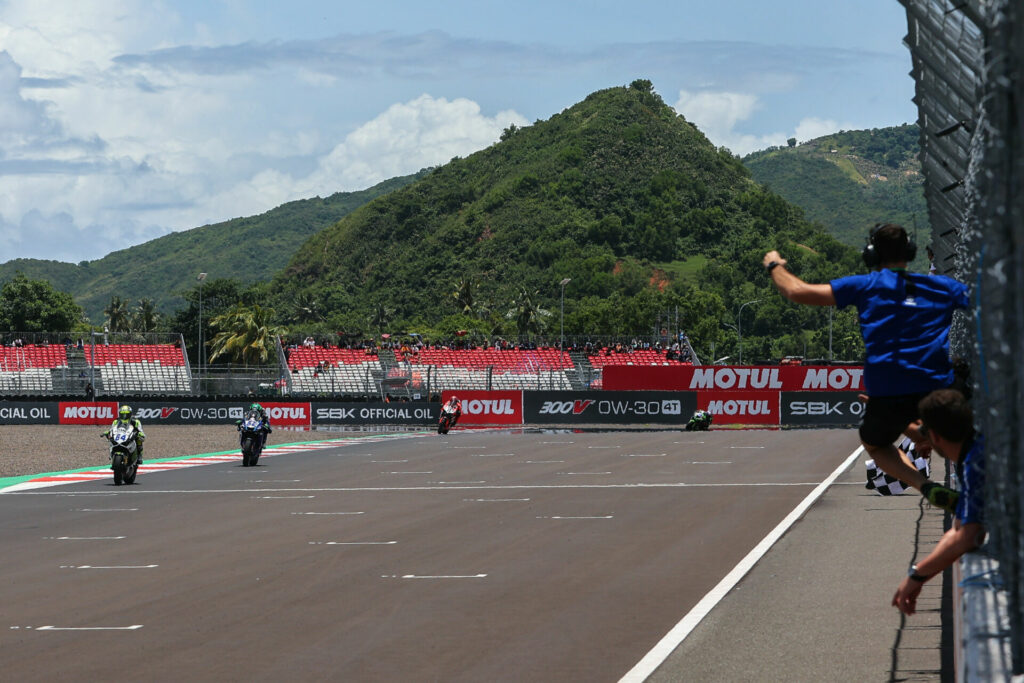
x: 263, y: 418
x: 455, y: 404
x: 124, y: 415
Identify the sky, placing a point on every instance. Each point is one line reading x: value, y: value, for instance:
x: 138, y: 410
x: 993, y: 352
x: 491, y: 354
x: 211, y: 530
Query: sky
x: 124, y: 120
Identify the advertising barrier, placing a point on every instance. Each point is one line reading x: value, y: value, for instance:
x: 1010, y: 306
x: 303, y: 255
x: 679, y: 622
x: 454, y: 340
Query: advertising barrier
x: 741, y: 407
x: 811, y: 408
x: 733, y: 378
x: 609, y: 407
x: 376, y: 413
x: 489, y: 407
x: 82, y: 413
x: 171, y: 412
x: 28, y: 413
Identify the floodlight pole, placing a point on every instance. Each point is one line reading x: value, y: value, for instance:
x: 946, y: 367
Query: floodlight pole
x: 739, y: 326
x: 561, y: 335
x: 200, y: 354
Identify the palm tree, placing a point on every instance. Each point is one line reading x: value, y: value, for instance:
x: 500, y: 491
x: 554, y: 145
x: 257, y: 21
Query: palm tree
x: 528, y: 316
x: 244, y: 334
x: 381, y: 317
x: 146, y: 317
x: 463, y: 294
x: 118, y: 319
x: 306, y: 309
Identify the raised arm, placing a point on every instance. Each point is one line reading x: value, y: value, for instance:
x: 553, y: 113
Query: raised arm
x: 792, y: 287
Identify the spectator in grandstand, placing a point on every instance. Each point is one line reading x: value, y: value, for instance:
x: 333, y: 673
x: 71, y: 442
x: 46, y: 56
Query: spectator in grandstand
x: 948, y: 425
x: 90, y: 393
x: 309, y: 342
x: 910, y: 312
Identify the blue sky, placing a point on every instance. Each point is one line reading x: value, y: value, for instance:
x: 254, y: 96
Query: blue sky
x: 123, y: 120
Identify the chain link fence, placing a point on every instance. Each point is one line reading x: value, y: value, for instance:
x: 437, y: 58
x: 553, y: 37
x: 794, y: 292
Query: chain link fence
x: 967, y: 57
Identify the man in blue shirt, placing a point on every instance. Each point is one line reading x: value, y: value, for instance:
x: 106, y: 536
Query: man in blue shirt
x: 948, y: 424
x: 904, y: 320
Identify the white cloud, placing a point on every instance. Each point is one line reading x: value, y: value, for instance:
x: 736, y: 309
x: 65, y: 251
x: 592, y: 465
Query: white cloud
x: 717, y: 114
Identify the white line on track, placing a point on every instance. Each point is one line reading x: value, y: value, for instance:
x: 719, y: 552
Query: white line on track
x: 492, y: 455
x: 437, y: 576
x: 461, y: 482
x: 328, y: 513
x: 281, y: 497
x: 353, y: 542
x: 389, y: 461
x: 84, y: 538
x: 89, y: 566
x: 604, y: 446
x: 709, y: 462
x: 742, y: 447
x: 653, y: 659
x: 547, y: 443
x: 105, y: 510
x: 583, y: 473
x: 579, y: 517
x: 90, y: 628
x: 406, y: 472
x: 541, y: 462
x: 273, y: 481
x: 644, y: 455
x: 495, y: 500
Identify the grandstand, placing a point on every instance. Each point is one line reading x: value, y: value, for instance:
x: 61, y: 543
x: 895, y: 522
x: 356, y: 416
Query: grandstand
x: 324, y: 370
x: 29, y: 369
x: 140, y: 368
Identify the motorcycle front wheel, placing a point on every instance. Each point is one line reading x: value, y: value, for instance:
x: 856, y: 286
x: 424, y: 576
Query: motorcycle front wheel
x: 117, y: 464
x: 247, y: 453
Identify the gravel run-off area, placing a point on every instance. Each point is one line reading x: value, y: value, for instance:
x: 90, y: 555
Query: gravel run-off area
x: 33, y: 449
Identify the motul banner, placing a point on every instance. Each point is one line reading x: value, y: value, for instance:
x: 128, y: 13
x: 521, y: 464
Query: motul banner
x: 489, y: 407
x: 733, y: 378
x: 400, y: 413
x: 25, y: 413
x: 97, y: 413
x: 821, y: 410
x: 172, y: 412
x: 741, y: 407
x: 609, y: 407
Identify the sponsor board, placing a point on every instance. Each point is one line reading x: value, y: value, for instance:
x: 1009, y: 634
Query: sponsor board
x: 25, y: 413
x: 821, y: 409
x: 734, y: 378
x: 186, y: 412
x: 741, y: 407
x: 376, y: 413
x: 83, y: 413
x: 608, y: 407
x: 488, y: 407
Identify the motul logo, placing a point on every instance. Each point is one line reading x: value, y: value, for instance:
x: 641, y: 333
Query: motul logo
x: 731, y: 407
x: 736, y: 378
x: 836, y: 378
x: 287, y: 413
x: 88, y: 412
x: 498, y: 406
x: 565, y: 407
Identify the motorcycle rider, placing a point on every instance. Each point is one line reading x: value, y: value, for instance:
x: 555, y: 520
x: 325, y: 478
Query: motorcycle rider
x: 264, y: 419
x: 456, y: 405
x: 124, y: 416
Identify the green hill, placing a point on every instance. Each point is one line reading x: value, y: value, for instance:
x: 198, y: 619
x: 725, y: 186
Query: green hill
x: 618, y: 193
x: 851, y: 180
x: 248, y: 249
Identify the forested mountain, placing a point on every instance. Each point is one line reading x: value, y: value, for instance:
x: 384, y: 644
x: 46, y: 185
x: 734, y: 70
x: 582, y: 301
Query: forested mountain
x: 851, y: 180
x: 618, y: 193
x: 247, y: 249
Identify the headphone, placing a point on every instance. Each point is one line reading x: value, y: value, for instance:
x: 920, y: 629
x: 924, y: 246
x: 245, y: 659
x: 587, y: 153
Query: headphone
x: 870, y: 252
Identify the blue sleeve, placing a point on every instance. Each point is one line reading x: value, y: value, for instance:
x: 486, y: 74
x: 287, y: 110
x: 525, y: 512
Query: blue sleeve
x: 970, y: 509
x: 845, y: 290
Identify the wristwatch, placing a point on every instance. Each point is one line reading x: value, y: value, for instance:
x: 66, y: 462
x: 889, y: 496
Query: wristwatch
x: 912, y: 573
x: 771, y: 265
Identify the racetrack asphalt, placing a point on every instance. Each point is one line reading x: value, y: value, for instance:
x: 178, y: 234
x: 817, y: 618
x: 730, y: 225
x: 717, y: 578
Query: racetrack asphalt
x: 480, y: 556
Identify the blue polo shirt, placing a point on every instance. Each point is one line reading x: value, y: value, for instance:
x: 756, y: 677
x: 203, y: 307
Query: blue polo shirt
x: 904, y: 320
x: 970, y: 508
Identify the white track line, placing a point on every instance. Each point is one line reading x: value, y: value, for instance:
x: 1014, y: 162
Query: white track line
x: 667, y: 645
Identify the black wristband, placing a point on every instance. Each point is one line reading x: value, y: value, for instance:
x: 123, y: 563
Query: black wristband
x: 772, y: 265
x: 914, y: 576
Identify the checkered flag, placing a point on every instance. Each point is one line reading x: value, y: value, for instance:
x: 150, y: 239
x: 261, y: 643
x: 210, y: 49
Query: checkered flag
x: 883, y: 484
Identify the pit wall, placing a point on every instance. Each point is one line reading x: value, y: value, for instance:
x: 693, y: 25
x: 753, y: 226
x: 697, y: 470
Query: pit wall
x: 756, y: 396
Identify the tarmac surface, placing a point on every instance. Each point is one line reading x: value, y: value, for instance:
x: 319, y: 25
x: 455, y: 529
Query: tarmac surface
x: 486, y: 555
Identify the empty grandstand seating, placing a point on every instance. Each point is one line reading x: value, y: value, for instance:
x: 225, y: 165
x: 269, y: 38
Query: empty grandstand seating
x: 543, y: 368
x: 140, y: 368
x: 605, y: 356
x: 330, y: 370
x: 27, y: 369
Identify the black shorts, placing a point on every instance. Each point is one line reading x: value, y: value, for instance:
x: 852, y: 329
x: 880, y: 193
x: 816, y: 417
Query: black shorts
x: 886, y: 417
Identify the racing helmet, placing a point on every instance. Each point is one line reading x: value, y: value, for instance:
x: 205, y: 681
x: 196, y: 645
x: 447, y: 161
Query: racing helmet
x: 256, y: 406
x: 454, y: 398
x: 125, y: 412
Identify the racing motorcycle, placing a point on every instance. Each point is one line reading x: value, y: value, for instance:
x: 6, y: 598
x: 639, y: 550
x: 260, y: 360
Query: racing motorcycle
x: 251, y: 438
x: 700, y: 422
x: 447, y: 419
x: 124, y: 457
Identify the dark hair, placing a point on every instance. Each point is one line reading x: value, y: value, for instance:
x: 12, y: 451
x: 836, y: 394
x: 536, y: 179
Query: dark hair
x: 947, y: 413
x: 890, y: 241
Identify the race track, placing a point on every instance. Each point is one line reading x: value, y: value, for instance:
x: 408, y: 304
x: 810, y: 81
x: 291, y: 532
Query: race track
x: 490, y: 555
